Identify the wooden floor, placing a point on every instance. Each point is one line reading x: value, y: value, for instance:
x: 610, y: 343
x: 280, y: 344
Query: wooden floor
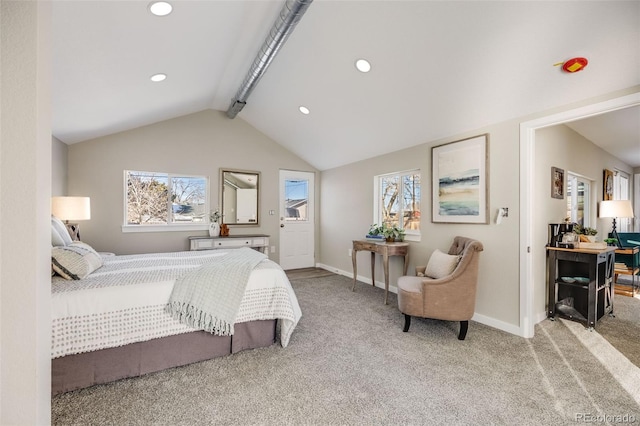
x: 307, y: 273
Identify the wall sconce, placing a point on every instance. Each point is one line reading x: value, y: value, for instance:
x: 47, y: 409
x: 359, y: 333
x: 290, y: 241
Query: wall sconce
x: 616, y: 209
x: 71, y: 209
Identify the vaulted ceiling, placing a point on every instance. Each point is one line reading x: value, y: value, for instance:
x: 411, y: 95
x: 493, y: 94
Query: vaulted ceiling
x: 438, y: 69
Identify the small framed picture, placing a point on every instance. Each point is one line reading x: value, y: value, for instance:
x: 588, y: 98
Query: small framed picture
x: 607, y: 191
x: 557, y: 183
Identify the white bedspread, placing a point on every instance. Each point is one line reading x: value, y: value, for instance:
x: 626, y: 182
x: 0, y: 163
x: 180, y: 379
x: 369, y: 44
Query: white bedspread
x: 124, y: 301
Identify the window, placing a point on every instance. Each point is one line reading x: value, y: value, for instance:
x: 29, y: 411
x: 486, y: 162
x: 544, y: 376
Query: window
x: 165, y: 200
x: 296, y: 196
x: 621, y: 191
x: 397, y: 201
x: 578, y: 199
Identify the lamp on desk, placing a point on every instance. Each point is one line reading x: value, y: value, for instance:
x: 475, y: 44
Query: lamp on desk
x: 71, y: 209
x: 616, y: 209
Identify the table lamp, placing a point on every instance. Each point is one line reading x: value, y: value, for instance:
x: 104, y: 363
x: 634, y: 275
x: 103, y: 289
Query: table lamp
x: 71, y: 209
x: 616, y: 209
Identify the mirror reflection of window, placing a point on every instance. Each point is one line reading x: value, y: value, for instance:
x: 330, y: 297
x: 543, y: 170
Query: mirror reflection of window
x: 240, y: 197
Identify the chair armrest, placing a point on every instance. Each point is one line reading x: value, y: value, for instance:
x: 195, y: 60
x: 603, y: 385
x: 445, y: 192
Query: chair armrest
x: 437, y: 281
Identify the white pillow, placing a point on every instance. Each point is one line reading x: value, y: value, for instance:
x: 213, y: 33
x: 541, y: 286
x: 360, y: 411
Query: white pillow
x: 56, y: 239
x: 75, y: 261
x: 62, y: 230
x: 441, y: 264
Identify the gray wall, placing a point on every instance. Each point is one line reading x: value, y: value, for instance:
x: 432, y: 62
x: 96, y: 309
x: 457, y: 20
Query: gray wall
x: 59, y: 166
x: 197, y: 144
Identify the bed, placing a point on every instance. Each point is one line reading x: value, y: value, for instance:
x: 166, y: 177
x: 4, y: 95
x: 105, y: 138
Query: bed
x: 112, y: 319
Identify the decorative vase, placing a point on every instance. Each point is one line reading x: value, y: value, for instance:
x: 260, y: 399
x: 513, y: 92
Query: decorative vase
x: 214, y: 229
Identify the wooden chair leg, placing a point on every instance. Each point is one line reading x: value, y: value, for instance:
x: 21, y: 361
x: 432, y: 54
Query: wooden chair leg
x: 407, y: 322
x: 464, y: 326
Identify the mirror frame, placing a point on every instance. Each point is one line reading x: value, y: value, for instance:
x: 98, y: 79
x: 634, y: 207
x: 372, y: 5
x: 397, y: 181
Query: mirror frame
x: 223, y: 171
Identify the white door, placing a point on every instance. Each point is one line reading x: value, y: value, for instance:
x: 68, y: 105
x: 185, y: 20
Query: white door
x: 297, y: 226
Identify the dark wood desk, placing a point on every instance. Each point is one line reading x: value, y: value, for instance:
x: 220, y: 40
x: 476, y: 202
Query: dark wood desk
x: 386, y: 250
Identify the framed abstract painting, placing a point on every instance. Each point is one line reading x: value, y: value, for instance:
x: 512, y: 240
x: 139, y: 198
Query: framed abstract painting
x: 460, y: 181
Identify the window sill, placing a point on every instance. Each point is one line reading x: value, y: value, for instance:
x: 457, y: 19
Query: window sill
x: 412, y: 237
x: 165, y: 228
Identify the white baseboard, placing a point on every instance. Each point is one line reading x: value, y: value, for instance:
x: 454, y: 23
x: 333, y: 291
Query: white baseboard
x: 496, y: 323
x: 360, y: 278
x: 539, y: 317
x: 482, y: 319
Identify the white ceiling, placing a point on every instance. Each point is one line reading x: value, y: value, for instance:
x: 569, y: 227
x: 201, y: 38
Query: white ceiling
x: 439, y: 69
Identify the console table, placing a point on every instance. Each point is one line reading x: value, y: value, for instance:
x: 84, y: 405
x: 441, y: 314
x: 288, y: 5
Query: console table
x: 258, y: 242
x: 385, y: 249
x: 587, y: 298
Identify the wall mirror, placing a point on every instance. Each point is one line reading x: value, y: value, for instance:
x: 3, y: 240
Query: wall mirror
x: 240, y: 191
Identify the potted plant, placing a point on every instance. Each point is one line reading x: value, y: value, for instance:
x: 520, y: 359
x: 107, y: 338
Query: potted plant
x: 588, y: 233
x: 389, y: 233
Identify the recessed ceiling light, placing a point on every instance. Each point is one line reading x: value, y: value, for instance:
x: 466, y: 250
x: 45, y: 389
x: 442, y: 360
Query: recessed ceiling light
x: 160, y: 8
x: 304, y: 110
x: 158, y: 77
x: 363, y: 65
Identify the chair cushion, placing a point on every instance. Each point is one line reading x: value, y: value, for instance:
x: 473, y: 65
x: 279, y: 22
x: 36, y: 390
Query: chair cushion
x: 410, y: 284
x: 410, y: 298
x: 441, y: 264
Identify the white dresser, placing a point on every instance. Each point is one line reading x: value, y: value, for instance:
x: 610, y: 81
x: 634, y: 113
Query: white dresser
x: 258, y: 242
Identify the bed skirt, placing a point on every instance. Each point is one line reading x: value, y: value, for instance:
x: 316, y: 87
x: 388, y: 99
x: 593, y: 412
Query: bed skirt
x: 79, y: 371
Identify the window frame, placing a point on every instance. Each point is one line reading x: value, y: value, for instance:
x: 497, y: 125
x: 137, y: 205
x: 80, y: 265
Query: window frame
x: 588, y: 205
x: 169, y: 226
x: 410, y: 234
x: 622, y: 191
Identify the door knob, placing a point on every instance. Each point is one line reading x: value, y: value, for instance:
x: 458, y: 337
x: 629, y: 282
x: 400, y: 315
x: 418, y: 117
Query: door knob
x: 282, y: 225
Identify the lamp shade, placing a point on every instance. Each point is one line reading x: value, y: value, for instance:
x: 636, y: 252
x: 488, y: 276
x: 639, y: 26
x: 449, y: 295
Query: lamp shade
x: 71, y: 208
x: 616, y: 208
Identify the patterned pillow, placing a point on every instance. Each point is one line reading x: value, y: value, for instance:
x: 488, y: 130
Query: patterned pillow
x: 61, y: 229
x: 441, y: 264
x: 75, y: 261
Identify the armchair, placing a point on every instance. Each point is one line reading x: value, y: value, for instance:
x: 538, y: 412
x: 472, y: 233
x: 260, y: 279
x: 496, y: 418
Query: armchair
x: 451, y: 297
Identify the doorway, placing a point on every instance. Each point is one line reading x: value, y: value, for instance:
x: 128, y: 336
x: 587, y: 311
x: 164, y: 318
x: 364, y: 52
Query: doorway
x: 297, y: 223
x: 530, y: 314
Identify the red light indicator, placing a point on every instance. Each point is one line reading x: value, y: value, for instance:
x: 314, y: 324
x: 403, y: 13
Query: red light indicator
x: 575, y: 65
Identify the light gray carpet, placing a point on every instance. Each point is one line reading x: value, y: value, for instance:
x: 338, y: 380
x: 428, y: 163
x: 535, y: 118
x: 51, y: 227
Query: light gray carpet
x: 623, y: 330
x: 298, y: 274
x: 349, y: 363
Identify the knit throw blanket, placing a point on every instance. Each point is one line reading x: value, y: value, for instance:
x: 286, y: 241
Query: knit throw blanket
x: 209, y: 297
